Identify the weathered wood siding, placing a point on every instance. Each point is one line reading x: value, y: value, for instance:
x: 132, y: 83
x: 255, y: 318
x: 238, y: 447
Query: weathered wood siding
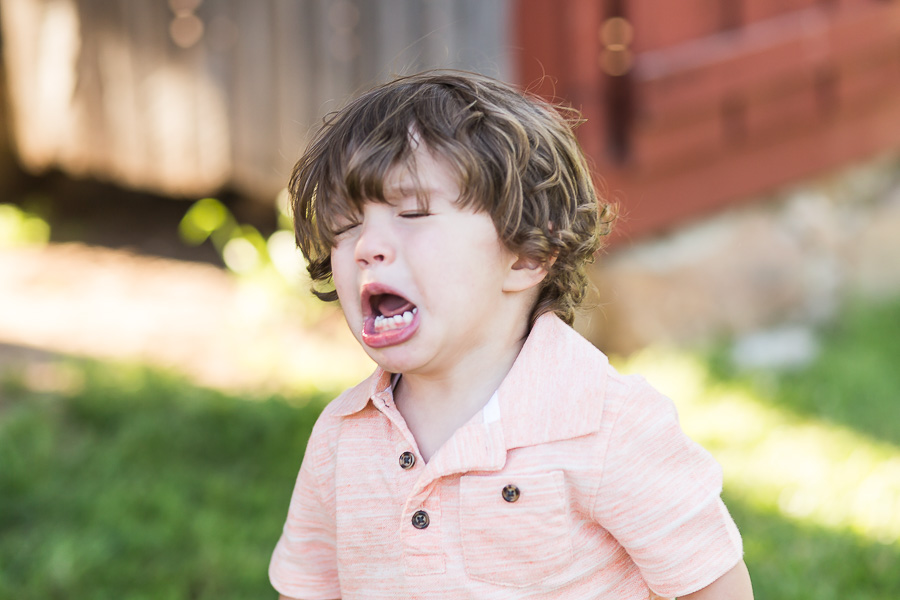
x: 189, y: 96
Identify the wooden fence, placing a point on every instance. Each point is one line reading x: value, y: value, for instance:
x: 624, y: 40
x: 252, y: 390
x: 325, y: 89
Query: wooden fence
x: 190, y: 96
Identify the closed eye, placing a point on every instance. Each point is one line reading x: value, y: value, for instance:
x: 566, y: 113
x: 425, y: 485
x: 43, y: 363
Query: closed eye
x: 415, y: 214
x: 344, y: 229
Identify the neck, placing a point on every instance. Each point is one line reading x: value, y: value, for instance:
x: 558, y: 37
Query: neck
x: 435, y: 405
x: 472, y: 381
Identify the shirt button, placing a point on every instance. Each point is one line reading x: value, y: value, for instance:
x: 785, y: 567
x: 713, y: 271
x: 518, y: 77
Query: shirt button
x: 420, y: 519
x: 407, y: 460
x: 510, y: 493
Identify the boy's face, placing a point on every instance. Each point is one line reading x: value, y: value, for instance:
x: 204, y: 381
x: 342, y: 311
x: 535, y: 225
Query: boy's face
x: 421, y: 288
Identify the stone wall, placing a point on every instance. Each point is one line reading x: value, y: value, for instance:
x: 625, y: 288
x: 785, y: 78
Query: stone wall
x: 794, y: 257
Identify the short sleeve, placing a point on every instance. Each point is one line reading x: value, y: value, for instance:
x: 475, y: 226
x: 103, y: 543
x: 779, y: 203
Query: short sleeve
x: 660, y: 497
x: 304, y: 563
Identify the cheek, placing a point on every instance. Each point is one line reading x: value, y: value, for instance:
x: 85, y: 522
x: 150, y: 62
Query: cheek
x: 463, y: 272
x: 343, y: 274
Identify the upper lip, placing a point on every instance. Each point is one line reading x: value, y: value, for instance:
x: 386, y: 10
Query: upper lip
x: 374, y: 289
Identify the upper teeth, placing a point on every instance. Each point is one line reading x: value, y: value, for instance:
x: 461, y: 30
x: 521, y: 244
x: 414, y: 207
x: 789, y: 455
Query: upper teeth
x: 383, y: 323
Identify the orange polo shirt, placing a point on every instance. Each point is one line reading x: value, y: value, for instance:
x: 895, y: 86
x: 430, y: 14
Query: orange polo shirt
x: 573, y: 482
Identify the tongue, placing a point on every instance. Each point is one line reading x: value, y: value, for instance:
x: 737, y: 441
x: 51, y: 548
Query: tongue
x: 391, y: 304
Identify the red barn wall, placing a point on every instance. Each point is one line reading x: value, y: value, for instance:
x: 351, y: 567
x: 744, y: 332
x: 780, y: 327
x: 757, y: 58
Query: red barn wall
x: 692, y: 105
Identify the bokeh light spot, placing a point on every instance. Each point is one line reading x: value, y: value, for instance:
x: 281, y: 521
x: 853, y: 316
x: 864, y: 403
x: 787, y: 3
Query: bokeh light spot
x: 186, y: 30
x: 21, y: 228
x: 201, y: 220
x: 240, y: 255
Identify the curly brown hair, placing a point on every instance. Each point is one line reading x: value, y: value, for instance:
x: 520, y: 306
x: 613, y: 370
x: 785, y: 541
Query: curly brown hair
x: 515, y: 156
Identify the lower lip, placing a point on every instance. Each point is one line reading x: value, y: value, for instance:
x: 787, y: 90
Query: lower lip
x: 390, y: 337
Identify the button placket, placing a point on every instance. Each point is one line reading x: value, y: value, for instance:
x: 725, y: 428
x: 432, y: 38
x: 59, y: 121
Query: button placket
x: 399, y: 431
x: 422, y: 521
x: 423, y: 551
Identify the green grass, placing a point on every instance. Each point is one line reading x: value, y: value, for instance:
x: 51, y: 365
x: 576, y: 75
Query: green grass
x: 139, y: 485
x: 789, y: 560
x: 130, y: 483
x: 856, y: 379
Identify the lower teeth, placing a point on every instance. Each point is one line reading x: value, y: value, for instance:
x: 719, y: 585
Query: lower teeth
x: 383, y: 323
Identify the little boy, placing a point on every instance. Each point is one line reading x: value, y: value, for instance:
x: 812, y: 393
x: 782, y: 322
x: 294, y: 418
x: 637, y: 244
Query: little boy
x: 494, y: 453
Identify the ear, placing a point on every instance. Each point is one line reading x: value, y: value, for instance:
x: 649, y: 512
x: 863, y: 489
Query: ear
x: 525, y: 273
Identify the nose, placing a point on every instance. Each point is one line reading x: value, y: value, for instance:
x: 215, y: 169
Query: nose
x: 374, y: 245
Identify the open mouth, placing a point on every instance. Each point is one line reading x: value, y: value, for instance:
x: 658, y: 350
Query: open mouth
x: 390, y: 318
x: 391, y: 311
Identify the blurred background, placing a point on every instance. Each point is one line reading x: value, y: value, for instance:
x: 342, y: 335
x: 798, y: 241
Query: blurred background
x: 162, y: 362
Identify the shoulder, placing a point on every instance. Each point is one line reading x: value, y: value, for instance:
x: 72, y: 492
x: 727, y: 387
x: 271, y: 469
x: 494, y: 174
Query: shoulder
x: 643, y: 441
x: 641, y: 438
x: 581, y: 373
x: 633, y: 397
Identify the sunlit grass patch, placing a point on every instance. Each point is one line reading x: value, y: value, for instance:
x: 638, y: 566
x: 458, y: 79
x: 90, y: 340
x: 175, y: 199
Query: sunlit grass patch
x: 806, y: 469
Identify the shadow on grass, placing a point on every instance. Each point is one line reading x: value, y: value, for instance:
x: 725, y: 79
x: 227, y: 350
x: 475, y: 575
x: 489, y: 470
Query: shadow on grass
x: 853, y: 382
x: 136, y: 484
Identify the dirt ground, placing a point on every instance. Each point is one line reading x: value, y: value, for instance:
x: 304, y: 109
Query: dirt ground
x: 117, y: 283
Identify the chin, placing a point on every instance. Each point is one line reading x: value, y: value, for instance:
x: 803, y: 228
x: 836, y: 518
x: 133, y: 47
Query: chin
x: 394, y: 360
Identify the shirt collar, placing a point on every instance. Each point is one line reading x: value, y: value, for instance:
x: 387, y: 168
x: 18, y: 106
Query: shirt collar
x: 556, y: 387
x: 554, y: 391
x: 376, y: 387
